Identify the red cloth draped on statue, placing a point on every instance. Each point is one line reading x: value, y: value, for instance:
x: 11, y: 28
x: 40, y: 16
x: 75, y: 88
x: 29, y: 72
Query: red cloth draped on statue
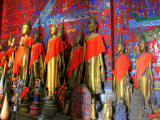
x: 76, y: 59
x: 151, y: 116
x: 94, y: 46
x: 18, y: 59
x: 123, y: 64
x: 64, y: 47
x: 37, y: 49
x: 55, y: 47
x: 1, y: 55
x: 20, y: 54
x: 3, y: 63
x: 10, y: 51
x: 143, y: 62
x: 28, y: 41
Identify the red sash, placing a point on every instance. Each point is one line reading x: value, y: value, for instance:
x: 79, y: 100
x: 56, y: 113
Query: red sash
x: 10, y: 51
x: 94, y: 46
x: 76, y: 60
x: 143, y: 62
x: 1, y: 55
x: 151, y: 116
x: 37, y: 49
x: 55, y: 47
x: 18, y: 59
x: 28, y: 41
x: 3, y: 63
x: 123, y: 64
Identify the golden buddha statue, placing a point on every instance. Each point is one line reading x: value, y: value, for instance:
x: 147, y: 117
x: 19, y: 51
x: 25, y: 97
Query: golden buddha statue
x: 144, y: 78
x: 60, y: 34
x: 53, y: 61
x: 108, y: 112
x: 75, y: 66
x: 105, y: 109
x: 120, y: 74
x: 94, y: 66
x: 22, y: 57
x: 127, y: 91
x: 36, y: 61
x: 11, y: 50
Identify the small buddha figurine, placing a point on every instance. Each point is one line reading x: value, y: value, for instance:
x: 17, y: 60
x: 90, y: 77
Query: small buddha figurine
x: 22, y: 57
x: 105, y: 108
x: 8, y: 77
x: 153, y: 102
x: 60, y: 33
x: 53, y: 61
x: 127, y: 91
x: 94, y: 66
x: 11, y: 50
x: 2, y: 51
x: 93, y: 117
x: 75, y: 66
x: 37, y: 91
x: 120, y: 74
x: 36, y: 62
x: 144, y: 78
x: 108, y: 112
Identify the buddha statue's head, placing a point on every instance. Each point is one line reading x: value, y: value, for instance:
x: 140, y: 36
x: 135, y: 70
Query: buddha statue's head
x: 5, y: 57
x: 120, y: 46
x: 128, y: 79
x: 60, y: 32
x: 54, y: 30
x: 79, y: 38
x: 109, y: 102
x: 1, y: 47
x: 105, y: 101
x: 92, y: 24
x: 10, y: 64
x: 142, y: 43
x: 26, y: 29
x: 10, y: 39
x: 92, y: 101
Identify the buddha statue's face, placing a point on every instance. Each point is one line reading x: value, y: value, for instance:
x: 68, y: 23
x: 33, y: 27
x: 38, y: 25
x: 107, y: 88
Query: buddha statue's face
x: 36, y: 37
x: 59, y: 34
x: 92, y: 26
x: 78, y: 40
x: 120, y: 48
x: 25, y: 30
x: 142, y: 45
x: 105, y: 101
x: 9, y: 43
x: 128, y: 80
x: 92, y: 101
x: 53, y: 30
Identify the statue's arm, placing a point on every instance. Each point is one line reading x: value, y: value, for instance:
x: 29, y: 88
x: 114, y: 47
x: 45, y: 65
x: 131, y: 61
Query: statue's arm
x: 102, y: 70
x: 60, y: 61
x: 4, y: 71
x: 63, y: 62
x: 30, y: 75
x: 114, y: 81
x: 69, y: 62
x: 151, y: 75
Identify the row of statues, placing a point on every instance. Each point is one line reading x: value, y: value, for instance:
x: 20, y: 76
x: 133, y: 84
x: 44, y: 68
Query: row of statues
x: 31, y: 62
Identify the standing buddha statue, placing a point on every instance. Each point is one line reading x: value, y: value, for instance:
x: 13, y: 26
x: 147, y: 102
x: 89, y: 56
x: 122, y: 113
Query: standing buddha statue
x: 122, y: 66
x: 11, y: 50
x: 75, y: 66
x: 94, y: 66
x: 144, y: 78
x: 53, y: 61
x: 36, y: 61
x: 22, y: 57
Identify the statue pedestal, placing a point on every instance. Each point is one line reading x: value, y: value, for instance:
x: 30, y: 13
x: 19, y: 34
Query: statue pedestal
x: 34, y: 110
x: 100, y: 115
x: 24, y: 107
x: 49, y: 110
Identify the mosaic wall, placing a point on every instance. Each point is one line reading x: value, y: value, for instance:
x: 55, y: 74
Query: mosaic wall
x: 72, y: 13
x: 130, y: 18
